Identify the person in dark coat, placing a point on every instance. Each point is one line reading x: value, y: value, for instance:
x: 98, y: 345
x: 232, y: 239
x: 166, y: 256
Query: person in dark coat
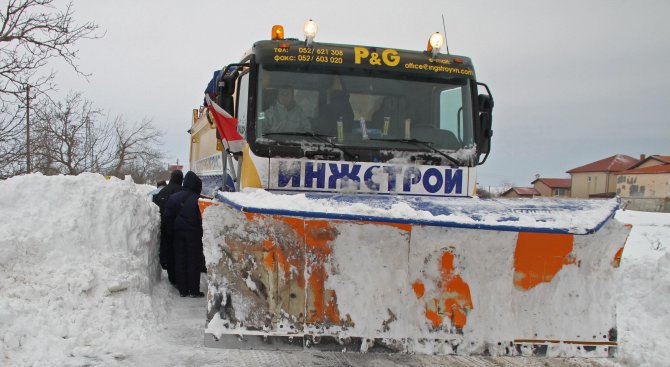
x: 166, y: 253
x: 184, y: 224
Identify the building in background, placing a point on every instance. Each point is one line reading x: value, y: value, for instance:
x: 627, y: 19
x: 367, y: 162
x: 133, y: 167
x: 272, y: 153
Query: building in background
x: 645, y: 186
x: 553, y: 187
x: 652, y: 160
x: 542, y: 187
x: 521, y: 192
x: 598, y: 179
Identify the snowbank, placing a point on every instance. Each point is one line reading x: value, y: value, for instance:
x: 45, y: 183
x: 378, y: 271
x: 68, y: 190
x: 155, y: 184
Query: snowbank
x: 644, y: 295
x: 78, y: 261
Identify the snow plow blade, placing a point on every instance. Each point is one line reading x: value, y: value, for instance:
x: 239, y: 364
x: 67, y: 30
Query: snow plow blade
x: 412, y: 274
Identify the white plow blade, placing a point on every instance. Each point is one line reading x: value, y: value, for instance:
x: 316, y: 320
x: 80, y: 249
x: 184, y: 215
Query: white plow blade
x: 297, y: 279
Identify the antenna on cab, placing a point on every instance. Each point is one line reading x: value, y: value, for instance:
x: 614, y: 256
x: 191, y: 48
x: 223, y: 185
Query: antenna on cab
x: 445, y: 34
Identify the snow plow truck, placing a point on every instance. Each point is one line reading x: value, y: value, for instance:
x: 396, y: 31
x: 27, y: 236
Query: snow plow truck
x: 343, y: 213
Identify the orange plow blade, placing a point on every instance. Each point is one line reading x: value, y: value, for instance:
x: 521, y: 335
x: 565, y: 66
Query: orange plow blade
x: 297, y: 279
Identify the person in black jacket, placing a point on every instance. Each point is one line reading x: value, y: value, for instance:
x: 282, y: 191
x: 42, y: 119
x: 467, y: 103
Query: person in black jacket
x: 166, y: 253
x: 184, y: 225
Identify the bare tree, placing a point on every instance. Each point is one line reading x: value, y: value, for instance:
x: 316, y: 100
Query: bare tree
x: 504, y: 186
x: 483, y: 193
x: 70, y: 137
x: 159, y: 172
x: 11, y: 144
x: 136, y: 150
x: 73, y: 136
x: 32, y: 34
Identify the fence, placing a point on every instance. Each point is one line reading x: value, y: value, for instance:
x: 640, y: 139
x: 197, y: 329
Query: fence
x: 661, y: 205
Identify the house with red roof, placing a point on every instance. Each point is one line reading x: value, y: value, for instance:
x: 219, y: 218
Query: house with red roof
x: 645, y: 186
x: 652, y: 160
x: 547, y: 187
x: 598, y: 179
x: 521, y: 192
x: 553, y: 187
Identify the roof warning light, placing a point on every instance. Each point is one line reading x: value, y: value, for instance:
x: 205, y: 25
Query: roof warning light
x: 277, y: 32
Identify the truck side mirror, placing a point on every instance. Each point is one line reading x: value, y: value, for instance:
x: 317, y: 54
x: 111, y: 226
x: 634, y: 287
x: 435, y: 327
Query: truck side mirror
x: 484, y: 126
x: 226, y: 90
x: 485, y: 103
x: 229, y: 80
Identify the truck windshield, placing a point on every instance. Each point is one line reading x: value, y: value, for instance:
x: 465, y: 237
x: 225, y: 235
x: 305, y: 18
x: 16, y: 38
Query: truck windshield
x: 364, y: 111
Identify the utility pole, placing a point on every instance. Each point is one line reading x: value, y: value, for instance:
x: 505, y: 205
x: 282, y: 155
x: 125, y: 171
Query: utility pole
x: 90, y: 139
x: 28, y: 168
x: 88, y: 145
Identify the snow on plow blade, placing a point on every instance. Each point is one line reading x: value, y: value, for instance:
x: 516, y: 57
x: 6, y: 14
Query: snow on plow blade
x: 416, y: 275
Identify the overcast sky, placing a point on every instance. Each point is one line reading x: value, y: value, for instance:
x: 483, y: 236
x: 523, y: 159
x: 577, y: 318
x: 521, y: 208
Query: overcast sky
x: 573, y: 81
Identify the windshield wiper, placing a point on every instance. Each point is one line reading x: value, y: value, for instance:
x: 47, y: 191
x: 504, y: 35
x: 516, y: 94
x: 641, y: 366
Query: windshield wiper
x: 426, y: 144
x: 319, y: 137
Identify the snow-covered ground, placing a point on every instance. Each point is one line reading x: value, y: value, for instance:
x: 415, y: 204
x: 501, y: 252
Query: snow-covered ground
x: 643, y: 303
x: 80, y: 286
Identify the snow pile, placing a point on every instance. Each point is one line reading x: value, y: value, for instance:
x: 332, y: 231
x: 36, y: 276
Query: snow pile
x: 78, y: 261
x: 643, y: 300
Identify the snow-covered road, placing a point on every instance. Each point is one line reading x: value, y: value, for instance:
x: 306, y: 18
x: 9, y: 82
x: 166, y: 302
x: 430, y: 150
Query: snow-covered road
x: 181, y: 344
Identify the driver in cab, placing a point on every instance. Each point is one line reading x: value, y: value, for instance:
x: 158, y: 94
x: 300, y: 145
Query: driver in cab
x: 285, y: 115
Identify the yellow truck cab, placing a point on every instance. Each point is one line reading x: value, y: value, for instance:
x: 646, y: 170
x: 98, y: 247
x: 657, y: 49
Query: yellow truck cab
x: 330, y: 117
